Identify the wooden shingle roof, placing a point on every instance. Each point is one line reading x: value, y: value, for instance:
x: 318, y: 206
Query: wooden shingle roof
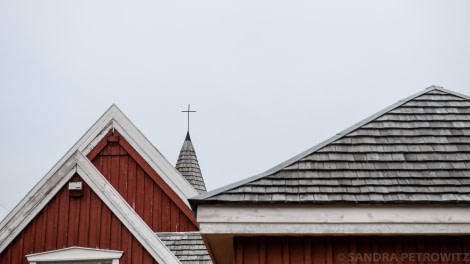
x: 188, y: 165
x: 415, y: 151
x: 188, y: 247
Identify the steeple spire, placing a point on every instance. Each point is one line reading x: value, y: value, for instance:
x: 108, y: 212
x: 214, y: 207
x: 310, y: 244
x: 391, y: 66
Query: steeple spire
x: 188, y: 164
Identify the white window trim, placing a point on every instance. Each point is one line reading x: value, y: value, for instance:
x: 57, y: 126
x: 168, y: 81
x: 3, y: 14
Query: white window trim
x: 75, y: 254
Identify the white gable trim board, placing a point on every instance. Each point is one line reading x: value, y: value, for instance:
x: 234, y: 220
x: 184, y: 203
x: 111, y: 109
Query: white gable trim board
x: 114, y: 118
x: 22, y: 215
x: 76, y: 254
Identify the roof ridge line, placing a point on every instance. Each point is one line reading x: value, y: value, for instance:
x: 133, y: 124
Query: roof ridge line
x: 442, y: 89
x: 309, y: 151
x: 432, y: 87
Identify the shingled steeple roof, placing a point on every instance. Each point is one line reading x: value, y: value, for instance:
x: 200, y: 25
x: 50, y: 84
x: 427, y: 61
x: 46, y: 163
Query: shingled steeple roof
x: 188, y: 165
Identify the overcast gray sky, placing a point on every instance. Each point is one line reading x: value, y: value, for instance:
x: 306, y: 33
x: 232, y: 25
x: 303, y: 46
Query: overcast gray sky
x: 268, y: 79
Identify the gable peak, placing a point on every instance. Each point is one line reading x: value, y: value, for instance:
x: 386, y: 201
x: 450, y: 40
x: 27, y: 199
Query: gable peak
x: 434, y: 87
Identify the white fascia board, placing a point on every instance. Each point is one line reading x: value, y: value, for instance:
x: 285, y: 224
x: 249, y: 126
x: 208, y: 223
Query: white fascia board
x: 333, y: 220
x: 79, y: 163
x: 315, y: 229
x: 75, y: 254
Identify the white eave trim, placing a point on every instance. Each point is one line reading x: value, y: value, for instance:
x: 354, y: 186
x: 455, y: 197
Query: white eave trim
x: 75, y: 254
x: 78, y: 163
x: 334, y: 220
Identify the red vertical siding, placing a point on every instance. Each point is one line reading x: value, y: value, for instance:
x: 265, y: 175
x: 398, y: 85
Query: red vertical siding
x: 353, y: 250
x: 63, y: 223
x: 155, y: 202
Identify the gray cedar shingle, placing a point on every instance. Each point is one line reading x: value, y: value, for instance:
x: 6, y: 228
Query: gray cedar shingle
x: 187, y: 164
x: 417, y: 152
x: 188, y: 247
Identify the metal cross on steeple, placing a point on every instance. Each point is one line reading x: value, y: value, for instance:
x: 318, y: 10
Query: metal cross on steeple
x: 188, y: 111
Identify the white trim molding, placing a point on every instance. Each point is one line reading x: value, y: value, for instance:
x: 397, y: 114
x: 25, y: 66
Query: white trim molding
x: 334, y: 220
x: 76, y: 254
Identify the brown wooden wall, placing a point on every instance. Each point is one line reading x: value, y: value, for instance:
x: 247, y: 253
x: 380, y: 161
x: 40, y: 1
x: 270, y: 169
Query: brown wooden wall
x: 68, y: 221
x: 353, y: 250
x: 155, y: 202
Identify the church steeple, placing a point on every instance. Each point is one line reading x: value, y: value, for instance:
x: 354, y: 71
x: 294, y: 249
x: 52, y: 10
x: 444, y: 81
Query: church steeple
x: 187, y: 163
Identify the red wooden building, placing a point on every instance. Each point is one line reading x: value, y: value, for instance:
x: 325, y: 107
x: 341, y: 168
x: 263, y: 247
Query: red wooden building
x: 394, y: 188
x: 113, y: 198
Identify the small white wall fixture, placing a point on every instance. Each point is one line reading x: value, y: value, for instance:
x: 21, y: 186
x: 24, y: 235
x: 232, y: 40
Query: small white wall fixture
x: 76, y: 254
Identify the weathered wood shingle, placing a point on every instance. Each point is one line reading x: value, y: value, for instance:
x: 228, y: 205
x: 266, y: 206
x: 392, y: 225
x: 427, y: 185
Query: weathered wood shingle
x: 188, y: 247
x: 188, y: 165
x: 416, y: 151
